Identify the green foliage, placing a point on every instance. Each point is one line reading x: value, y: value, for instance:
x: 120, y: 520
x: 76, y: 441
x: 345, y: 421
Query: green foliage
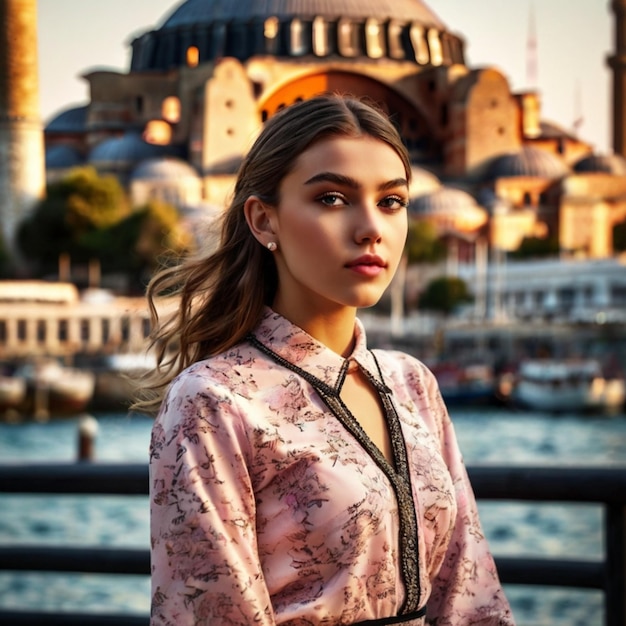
x: 444, y: 295
x: 619, y: 237
x: 88, y: 216
x: 423, y: 244
x: 160, y: 236
x: 91, y: 201
x: 65, y: 221
x: 536, y: 248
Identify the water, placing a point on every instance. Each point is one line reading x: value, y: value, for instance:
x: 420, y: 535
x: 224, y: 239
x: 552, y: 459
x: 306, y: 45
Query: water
x: 486, y: 436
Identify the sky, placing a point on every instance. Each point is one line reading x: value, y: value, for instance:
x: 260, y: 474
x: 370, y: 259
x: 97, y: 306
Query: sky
x: 573, y: 40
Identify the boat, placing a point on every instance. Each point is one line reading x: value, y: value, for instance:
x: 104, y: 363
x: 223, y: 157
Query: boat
x: 567, y: 386
x: 12, y: 395
x: 53, y: 388
x: 472, y: 383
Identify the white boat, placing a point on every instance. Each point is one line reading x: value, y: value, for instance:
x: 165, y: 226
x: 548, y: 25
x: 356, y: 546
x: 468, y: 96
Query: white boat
x: 12, y: 394
x: 560, y: 386
x: 53, y: 388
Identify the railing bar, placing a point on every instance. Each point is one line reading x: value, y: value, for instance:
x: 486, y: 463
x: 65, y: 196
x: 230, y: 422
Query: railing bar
x: 75, y: 478
x: 102, y: 560
x: 537, y: 484
x: 32, y: 618
x: 551, y: 572
x: 615, y: 549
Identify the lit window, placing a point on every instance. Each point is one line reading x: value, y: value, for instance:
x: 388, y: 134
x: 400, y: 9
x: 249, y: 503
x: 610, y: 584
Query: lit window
x: 297, y: 46
x: 420, y: 47
x: 271, y: 28
x: 374, y: 39
x: 396, y: 49
x: 170, y: 109
x: 158, y: 133
x: 193, y: 56
x: 434, y: 43
x: 320, y: 37
x: 348, y: 38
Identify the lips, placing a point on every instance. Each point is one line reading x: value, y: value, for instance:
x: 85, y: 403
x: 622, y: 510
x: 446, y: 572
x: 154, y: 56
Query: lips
x: 367, y: 259
x: 367, y: 265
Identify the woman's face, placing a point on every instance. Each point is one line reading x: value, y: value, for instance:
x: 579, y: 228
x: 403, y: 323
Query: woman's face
x: 341, y: 225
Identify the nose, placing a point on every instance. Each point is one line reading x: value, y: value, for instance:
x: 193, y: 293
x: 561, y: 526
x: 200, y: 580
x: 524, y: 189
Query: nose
x: 368, y: 228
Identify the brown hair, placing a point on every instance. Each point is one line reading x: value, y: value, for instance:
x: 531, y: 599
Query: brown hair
x: 222, y: 295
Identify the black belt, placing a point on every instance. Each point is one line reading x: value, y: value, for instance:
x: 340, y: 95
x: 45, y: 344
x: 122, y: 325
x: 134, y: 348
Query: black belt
x: 399, y: 619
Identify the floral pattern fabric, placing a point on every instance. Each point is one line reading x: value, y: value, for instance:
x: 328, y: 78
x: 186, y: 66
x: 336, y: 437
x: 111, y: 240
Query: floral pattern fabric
x: 266, y: 510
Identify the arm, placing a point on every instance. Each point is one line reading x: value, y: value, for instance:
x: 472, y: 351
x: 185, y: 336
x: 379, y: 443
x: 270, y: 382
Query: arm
x: 466, y: 590
x: 205, y: 567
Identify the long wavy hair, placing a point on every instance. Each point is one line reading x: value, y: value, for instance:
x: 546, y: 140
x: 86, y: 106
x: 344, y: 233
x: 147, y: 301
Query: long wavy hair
x: 221, y: 294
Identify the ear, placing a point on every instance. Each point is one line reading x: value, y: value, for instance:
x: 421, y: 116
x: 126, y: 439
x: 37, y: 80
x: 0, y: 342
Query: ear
x: 260, y: 218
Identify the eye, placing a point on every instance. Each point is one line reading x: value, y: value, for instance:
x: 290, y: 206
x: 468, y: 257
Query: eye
x: 393, y: 203
x: 332, y: 199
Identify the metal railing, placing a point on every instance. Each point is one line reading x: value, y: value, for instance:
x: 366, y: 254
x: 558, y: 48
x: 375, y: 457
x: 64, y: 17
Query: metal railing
x: 602, y: 486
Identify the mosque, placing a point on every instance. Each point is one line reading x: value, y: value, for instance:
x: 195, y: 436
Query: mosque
x: 200, y: 86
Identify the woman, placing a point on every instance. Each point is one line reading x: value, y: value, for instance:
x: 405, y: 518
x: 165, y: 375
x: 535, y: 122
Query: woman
x: 296, y: 477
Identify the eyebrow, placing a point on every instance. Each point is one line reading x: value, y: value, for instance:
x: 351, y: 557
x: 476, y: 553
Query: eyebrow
x: 348, y: 181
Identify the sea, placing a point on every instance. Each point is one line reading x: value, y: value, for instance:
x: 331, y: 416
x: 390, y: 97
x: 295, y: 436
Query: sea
x: 487, y: 436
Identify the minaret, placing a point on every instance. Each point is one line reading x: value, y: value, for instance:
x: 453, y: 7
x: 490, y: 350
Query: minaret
x: 22, y: 169
x: 617, y: 63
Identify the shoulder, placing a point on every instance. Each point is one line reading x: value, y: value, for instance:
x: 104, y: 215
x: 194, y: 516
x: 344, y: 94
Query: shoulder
x: 404, y: 367
x: 414, y: 387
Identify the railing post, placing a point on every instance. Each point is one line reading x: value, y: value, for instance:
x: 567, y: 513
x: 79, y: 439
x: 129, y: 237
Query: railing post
x: 615, y: 548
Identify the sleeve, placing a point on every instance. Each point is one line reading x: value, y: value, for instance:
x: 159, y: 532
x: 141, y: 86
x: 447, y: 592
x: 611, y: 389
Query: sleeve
x: 466, y: 591
x: 204, y: 560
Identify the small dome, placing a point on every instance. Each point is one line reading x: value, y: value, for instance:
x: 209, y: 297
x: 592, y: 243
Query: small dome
x: 422, y: 181
x: 61, y: 157
x: 124, y: 151
x: 72, y: 120
x: 450, y: 208
x: 607, y: 163
x: 528, y: 161
x: 164, y: 169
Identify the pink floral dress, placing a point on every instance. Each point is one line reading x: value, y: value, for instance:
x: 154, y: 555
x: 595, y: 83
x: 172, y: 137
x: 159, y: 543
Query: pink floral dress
x: 270, y: 505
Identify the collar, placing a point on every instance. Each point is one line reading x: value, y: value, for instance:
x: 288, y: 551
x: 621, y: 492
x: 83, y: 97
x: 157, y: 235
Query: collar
x: 297, y: 347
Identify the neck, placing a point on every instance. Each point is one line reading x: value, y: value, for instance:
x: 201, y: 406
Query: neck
x: 333, y: 328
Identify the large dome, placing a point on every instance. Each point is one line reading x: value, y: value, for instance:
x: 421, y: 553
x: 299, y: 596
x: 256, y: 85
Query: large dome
x: 195, y: 12
x: 400, y: 30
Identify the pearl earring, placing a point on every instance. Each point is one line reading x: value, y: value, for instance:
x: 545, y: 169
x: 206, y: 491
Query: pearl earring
x: 272, y: 246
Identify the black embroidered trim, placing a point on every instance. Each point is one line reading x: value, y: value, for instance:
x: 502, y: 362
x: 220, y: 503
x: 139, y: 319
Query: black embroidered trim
x: 384, y: 621
x: 399, y: 477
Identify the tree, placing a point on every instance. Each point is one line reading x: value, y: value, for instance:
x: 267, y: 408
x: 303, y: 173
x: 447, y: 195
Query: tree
x: 75, y: 208
x: 444, y: 295
x: 423, y: 244
x: 160, y: 237
x: 536, y: 247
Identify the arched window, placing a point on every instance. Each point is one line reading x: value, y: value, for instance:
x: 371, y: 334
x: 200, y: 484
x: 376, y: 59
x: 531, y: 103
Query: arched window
x: 321, y: 46
x: 374, y: 39
x: 434, y: 44
x: 297, y: 46
x: 394, y: 33
x: 158, y: 133
x: 170, y: 109
x: 420, y: 47
x: 271, y: 30
x: 348, y: 38
x: 193, y: 56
